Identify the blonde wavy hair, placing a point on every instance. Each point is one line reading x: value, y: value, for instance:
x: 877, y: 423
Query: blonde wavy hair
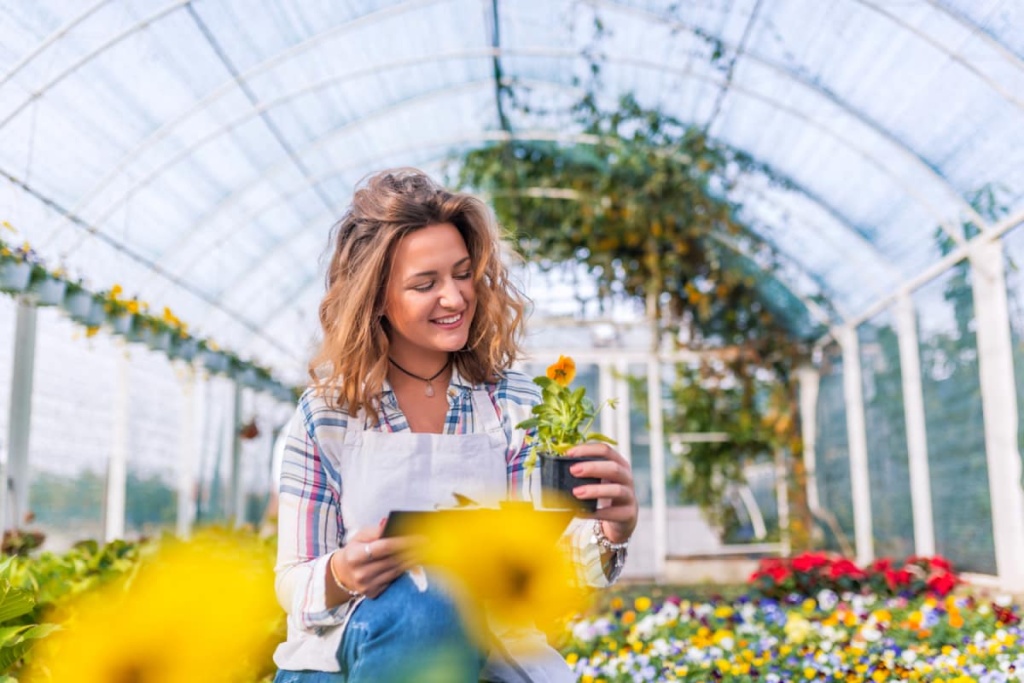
x: 349, y: 368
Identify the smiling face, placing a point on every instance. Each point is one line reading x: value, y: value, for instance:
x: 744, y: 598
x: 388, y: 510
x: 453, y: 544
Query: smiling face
x: 430, y: 296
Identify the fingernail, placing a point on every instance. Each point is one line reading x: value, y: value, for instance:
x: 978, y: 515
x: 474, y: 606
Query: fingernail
x: 576, y: 469
x: 579, y: 490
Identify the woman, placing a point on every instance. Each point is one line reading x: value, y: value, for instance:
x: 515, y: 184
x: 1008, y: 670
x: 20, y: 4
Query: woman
x: 413, y: 402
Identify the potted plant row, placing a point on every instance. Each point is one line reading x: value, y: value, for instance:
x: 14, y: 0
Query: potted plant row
x: 23, y: 273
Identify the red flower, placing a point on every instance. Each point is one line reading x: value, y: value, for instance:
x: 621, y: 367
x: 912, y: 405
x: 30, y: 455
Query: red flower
x: 941, y: 583
x: 897, y: 578
x: 844, y: 568
x: 809, y: 561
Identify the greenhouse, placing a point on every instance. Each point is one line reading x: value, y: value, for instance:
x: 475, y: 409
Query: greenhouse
x: 779, y: 240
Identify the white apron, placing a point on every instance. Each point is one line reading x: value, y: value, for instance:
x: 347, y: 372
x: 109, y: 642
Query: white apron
x: 384, y: 471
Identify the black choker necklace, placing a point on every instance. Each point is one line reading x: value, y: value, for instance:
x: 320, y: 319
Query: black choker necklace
x: 429, y: 380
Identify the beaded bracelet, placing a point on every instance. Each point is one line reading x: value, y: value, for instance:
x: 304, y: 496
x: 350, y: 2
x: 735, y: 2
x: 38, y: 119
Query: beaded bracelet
x: 603, y: 541
x: 338, y: 583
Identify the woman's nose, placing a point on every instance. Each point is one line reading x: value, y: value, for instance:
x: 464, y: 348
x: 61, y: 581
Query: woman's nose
x: 451, y: 295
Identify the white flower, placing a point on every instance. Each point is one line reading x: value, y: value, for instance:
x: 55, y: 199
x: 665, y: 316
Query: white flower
x: 827, y: 600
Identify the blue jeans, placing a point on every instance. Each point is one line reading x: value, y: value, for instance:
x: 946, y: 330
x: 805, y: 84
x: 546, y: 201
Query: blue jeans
x: 401, y: 635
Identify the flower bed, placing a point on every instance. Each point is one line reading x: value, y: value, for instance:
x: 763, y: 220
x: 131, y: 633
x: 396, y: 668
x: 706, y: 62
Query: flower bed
x: 829, y: 637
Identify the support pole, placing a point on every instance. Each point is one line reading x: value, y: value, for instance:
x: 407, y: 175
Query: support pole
x: 117, y: 467
x: 237, y: 497
x: 917, y: 436
x: 808, y: 381
x: 16, y: 476
x: 659, y: 503
x: 188, y: 452
x: 860, y: 481
x: 999, y: 409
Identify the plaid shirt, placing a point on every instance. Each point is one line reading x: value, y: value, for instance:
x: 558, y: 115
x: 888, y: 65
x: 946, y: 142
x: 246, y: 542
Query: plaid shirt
x: 309, y: 518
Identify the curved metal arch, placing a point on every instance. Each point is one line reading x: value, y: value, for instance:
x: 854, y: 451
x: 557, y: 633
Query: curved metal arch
x: 990, y: 39
x: 990, y: 82
x: 272, y: 253
x: 493, y: 135
x: 232, y: 82
x: 145, y: 180
x: 199, y: 225
x: 50, y: 40
x: 813, y: 309
x: 811, y: 85
x: 35, y: 95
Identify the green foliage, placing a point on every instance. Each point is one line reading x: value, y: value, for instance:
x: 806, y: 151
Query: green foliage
x: 31, y: 587
x: 563, y: 418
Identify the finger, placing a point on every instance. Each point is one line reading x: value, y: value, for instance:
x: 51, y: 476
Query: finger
x: 368, y: 533
x: 608, y: 470
x: 617, y: 493
x: 382, y: 581
x: 600, y: 449
x: 368, y: 575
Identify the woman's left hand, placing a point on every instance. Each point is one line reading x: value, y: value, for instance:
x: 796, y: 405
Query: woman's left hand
x: 619, y: 514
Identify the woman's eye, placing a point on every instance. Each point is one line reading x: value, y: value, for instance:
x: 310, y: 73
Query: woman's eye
x: 425, y: 287
x: 464, y: 276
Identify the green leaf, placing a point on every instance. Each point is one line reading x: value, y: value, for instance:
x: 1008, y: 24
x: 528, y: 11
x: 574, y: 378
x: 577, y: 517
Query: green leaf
x: 597, y: 436
x: 14, y: 602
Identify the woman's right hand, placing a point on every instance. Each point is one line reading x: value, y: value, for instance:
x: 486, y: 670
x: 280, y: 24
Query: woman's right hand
x: 368, y: 563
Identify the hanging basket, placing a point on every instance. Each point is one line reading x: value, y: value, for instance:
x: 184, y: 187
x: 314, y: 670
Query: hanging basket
x: 248, y: 377
x: 214, y: 361
x: 47, y: 290
x: 77, y: 303
x: 14, y: 276
x: 158, y: 340
x: 97, y: 314
x: 122, y: 323
x: 184, y: 348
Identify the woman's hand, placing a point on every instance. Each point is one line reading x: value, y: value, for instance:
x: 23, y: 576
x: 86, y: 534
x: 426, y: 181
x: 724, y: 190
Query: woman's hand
x: 368, y: 563
x: 619, y: 513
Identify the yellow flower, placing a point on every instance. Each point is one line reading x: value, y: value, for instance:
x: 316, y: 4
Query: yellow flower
x: 498, y: 566
x: 203, y: 608
x: 116, y: 291
x: 642, y: 604
x: 91, y: 331
x: 10, y: 227
x: 563, y: 371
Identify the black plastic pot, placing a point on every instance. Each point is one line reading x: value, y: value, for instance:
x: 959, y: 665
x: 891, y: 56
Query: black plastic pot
x: 557, y: 482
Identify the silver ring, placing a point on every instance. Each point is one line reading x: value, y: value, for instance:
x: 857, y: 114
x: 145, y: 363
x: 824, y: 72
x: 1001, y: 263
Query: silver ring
x: 369, y: 553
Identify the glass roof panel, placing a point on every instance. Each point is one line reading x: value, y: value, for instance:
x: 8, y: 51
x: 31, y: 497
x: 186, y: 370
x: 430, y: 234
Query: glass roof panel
x: 212, y: 144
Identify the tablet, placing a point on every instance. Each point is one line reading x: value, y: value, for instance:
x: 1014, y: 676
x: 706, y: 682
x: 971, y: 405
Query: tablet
x: 405, y: 522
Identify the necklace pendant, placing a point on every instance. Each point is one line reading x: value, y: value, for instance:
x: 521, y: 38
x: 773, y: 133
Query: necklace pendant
x: 430, y: 390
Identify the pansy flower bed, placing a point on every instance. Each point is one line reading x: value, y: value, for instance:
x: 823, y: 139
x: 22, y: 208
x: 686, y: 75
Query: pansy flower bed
x: 825, y: 635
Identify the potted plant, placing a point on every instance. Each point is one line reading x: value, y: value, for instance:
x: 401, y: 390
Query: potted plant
x: 562, y: 420
x: 15, y: 267
x: 77, y: 300
x: 47, y: 288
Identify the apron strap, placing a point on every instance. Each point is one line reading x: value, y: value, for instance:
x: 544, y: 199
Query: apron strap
x: 485, y: 411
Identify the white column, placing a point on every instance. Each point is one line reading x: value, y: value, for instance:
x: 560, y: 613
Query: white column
x: 782, y: 500
x: 623, y: 430
x: 117, y: 466
x: 606, y: 386
x: 658, y: 493
x: 917, y: 436
x: 808, y: 380
x: 860, y: 482
x: 188, y: 451
x: 15, y: 470
x: 999, y: 408
x: 237, y: 497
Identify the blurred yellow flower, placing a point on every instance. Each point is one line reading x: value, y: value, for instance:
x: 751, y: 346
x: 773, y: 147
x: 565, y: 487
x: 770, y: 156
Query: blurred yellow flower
x: 198, y: 610
x: 7, y: 225
x: 563, y: 371
x: 499, y: 566
x: 642, y: 604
